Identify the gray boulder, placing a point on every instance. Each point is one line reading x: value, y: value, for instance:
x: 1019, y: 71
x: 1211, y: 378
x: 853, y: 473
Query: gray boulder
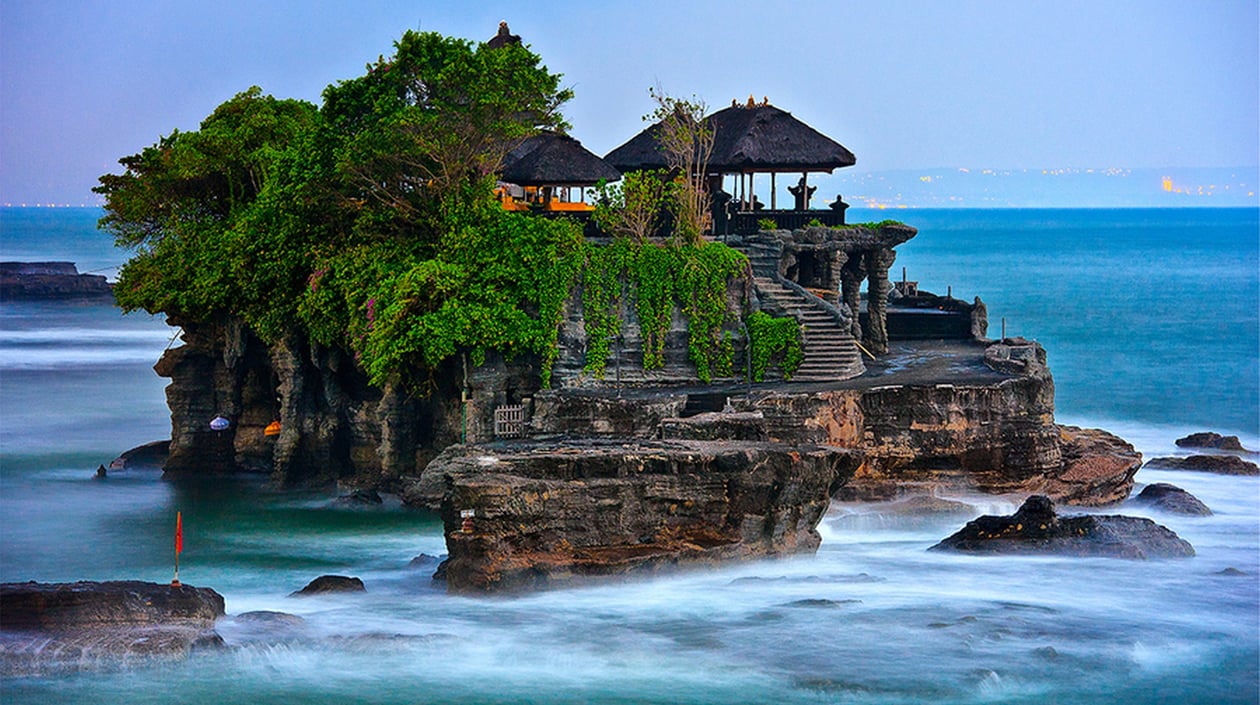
x: 1172, y: 499
x: 325, y: 584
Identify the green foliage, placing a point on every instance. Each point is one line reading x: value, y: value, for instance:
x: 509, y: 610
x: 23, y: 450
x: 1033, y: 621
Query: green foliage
x: 767, y: 224
x: 367, y: 223
x: 877, y: 225
x: 701, y: 290
x: 686, y: 140
x: 660, y: 277
x: 633, y: 207
x: 771, y: 338
x: 437, y: 115
x: 497, y: 283
x: 603, y: 299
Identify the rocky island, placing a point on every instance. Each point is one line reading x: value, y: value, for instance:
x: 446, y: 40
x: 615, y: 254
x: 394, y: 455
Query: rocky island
x: 50, y: 280
x: 668, y: 374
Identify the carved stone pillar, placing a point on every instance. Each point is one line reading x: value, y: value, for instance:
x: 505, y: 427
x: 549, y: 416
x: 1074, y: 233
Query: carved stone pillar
x: 878, y: 263
x: 851, y: 276
x: 838, y: 260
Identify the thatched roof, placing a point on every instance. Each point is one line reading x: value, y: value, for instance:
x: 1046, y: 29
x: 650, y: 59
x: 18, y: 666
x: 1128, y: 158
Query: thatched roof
x: 758, y: 138
x: 550, y: 159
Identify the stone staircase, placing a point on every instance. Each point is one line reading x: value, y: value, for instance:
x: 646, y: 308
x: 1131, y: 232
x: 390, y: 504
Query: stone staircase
x: 830, y: 352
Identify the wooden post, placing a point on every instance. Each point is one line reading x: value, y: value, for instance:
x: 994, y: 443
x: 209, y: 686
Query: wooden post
x: 773, y: 190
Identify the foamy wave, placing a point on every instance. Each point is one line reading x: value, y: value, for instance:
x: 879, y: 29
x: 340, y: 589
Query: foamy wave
x: 45, y: 336
x: 54, y: 358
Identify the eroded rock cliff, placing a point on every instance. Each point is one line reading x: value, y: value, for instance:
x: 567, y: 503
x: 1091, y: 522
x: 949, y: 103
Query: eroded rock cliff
x: 530, y: 514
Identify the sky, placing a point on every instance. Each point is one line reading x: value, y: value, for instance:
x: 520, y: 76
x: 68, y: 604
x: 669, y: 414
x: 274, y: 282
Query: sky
x: 904, y: 84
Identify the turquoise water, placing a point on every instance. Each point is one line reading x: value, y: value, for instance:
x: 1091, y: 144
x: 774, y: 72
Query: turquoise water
x: 1150, y: 320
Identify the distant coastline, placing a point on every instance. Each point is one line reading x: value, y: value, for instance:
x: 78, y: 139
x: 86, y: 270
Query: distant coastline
x: 985, y: 188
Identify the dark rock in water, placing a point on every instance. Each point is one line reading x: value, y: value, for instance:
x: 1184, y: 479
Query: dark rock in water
x: 87, y: 604
x: 86, y: 625
x: 924, y: 505
x: 331, y: 583
x: 359, y: 498
x: 150, y: 456
x: 1210, y: 439
x: 1219, y: 464
x: 1172, y: 499
x: 50, y: 280
x: 270, y: 617
x: 1036, y: 529
x: 424, y: 560
x: 1231, y: 572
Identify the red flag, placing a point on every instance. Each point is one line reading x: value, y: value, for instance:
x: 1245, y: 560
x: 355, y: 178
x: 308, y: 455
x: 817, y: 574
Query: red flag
x: 179, y: 533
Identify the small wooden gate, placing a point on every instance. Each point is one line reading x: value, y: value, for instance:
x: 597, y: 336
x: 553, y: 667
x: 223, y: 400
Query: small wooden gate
x: 509, y: 421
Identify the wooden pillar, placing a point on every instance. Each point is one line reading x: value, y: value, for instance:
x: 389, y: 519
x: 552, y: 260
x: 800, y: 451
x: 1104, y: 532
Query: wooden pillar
x: 773, y: 192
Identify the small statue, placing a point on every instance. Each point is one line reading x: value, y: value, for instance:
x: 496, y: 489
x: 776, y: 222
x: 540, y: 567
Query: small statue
x: 839, y: 207
x: 979, y: 320
x: 802, y: 193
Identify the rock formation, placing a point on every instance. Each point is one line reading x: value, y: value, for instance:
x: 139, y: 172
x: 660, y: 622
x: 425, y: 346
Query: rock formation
x: 1036, y: 529
x: 644, y: 469
x: 1171, y: 499
x: 526, y: 515
x: 325, y: 584
x: 72, y: 626
x: 50, y: 280
x: 1210, y: 439
x: 1219, y: 464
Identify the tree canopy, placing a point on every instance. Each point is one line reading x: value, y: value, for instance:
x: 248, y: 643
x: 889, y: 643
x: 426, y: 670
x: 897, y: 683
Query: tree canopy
x: 369, y: 223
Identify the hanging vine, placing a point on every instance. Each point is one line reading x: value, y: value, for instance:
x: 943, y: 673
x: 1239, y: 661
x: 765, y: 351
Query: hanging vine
x: 771, y: 339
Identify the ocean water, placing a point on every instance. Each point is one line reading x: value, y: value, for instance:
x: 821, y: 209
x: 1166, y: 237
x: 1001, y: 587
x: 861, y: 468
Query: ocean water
x: 1150, y: 319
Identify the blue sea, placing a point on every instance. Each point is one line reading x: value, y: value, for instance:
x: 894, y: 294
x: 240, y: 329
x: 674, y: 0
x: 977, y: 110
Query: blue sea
x: 1150, y: 320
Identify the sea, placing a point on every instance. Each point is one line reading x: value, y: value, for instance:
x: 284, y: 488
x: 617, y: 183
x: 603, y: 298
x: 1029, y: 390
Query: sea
x: 1150, y: 322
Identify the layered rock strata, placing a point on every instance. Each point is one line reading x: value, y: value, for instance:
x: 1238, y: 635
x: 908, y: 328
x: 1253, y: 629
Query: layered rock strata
x: 525, y: 515
x: 50, y: 280
x: 73, y: 626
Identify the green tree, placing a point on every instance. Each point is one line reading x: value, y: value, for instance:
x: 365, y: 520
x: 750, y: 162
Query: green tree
x: 633, y: 207
x: 686, y: 140
x: 425, y: 126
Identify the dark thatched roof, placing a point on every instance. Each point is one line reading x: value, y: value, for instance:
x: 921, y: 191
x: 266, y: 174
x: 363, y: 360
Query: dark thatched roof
x: 550, y: 159
x: 758, y: 138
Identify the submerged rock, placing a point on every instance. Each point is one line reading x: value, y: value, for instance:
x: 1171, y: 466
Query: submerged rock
x: 325, y: 584
x: 1172, y: 499
x: 52, y: 627
x: 1219, y: 464
x: 1210, y: 439
x: 1036, y: 529
x: 359, y: 498
x: 150, y: 456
